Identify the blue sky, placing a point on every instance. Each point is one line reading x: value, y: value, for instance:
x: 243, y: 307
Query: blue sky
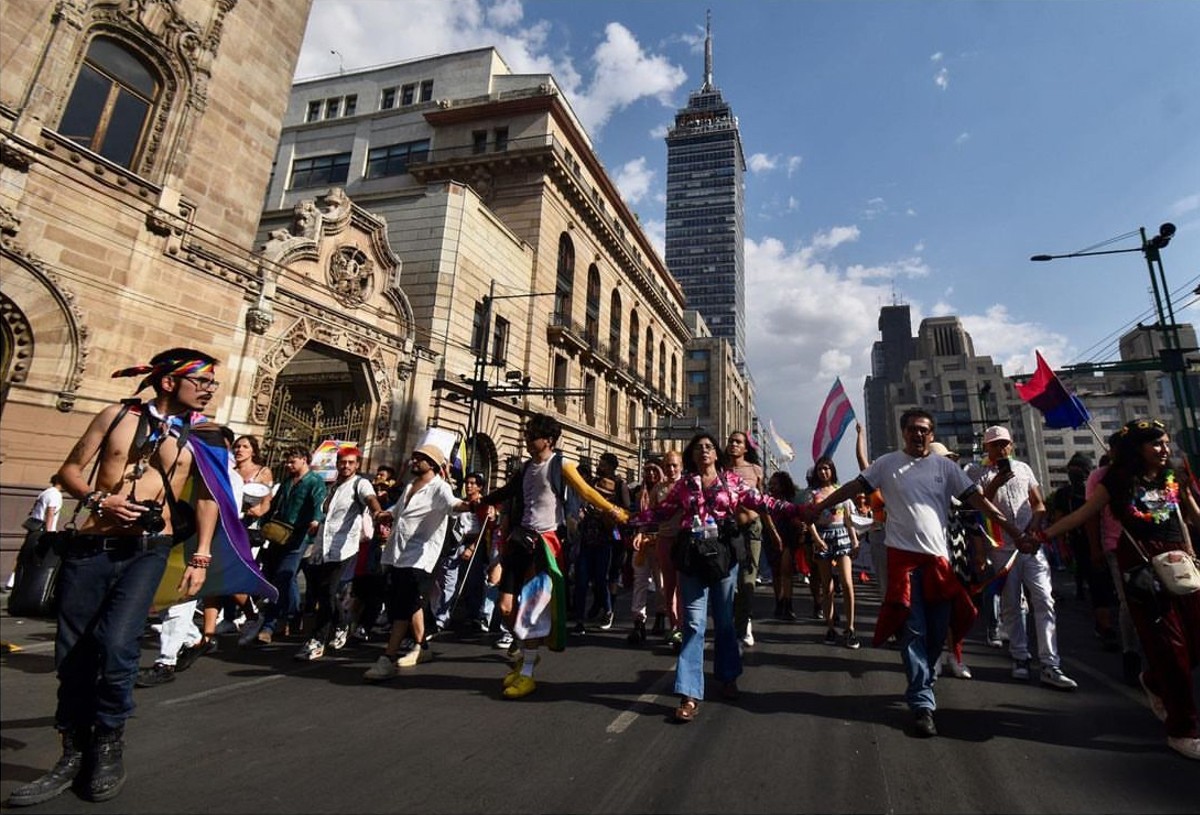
x: 916, y: 150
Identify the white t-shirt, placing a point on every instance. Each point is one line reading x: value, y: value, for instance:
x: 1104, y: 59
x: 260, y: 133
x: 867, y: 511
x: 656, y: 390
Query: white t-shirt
x: 48, y: 499
x: 420, y: 527
x: 340, y: 532
x: 917, y: 493
x: 1012, y: 498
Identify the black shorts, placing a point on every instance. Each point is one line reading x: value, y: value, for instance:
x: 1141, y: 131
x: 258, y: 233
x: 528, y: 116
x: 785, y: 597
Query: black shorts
x: 515, y: 565
x: 407, y: 588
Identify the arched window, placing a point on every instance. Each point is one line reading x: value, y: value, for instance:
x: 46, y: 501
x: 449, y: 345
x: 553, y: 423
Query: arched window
x: 565, y: 281
x: 591, y: 328
x: 614, y: 325
x: 649, y: 355
x: 662, y: 367
x: 635, y: 337
x: 111, y: 102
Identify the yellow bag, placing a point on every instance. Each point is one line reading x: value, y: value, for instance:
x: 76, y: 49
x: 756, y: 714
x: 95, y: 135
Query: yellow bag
x: 276, y: 532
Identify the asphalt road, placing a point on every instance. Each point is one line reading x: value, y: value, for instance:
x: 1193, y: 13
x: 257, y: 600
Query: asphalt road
x: 818, y: 729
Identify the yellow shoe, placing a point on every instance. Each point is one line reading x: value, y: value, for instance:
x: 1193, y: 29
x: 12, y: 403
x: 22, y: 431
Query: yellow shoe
x: 521, y: 686
x: 512, y: 675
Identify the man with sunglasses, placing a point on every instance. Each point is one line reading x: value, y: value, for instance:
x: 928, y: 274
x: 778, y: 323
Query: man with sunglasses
x: 113, y: 564
x: 923, y: 598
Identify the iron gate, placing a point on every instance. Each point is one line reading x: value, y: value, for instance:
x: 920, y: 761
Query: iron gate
x: 291, y: 426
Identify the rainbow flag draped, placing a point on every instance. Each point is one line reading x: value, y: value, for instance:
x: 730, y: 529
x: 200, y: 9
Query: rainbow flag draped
x: 233, y: 570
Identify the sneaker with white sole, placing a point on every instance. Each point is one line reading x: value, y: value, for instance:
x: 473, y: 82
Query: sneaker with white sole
x: 384, y: 668
x: 1055, y: 678
x: 340, y: 636
x: 959, y: 669
x: 1154, y: 700
x: 250, y: 631
x: 1020, y: 669
x: 1185, y: 745
x: 312, y: 650
x: 748, y: 637
x: 505, y: 640
x: 409, y: 658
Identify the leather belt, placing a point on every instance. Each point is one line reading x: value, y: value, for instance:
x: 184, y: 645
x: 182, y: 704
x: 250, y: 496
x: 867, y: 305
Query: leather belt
x: 83, y: 545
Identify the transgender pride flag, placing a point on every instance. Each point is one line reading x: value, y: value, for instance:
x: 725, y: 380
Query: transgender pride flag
x: 835, y: 417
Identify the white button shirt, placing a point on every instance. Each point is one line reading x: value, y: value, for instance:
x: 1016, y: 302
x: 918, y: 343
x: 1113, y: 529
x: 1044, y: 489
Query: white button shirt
x: 420, y: 526
x: 340, y: 532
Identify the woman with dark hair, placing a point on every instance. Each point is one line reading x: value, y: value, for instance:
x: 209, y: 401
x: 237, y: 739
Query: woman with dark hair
x: 742, y: 458
x: 708, y: 495
x: 785, y: 538
x: 835, y: 543
x: 1141, y: 490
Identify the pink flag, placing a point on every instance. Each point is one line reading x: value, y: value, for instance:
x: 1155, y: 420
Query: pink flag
x: 836, y: 415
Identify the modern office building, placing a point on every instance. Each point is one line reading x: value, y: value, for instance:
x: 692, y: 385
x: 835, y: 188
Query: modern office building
x: 705, y: 210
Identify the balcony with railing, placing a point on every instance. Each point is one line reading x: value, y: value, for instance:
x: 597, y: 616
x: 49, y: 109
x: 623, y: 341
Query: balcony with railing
x: 566, y: 333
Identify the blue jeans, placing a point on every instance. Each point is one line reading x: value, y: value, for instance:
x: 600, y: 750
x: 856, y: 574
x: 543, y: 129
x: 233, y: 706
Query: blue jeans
x: 921, y: 642
x: 694, y: 596
x: 281, y: 570
x: 446, y: 577
x: 592, y: 569
x: 103, y: 605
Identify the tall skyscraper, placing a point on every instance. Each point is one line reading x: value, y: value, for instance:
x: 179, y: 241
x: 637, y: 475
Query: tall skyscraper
x: 705, y: 210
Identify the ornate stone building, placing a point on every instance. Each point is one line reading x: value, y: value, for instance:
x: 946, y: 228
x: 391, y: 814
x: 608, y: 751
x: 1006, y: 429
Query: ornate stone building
x: 136, y: 141
x: 531, y: 282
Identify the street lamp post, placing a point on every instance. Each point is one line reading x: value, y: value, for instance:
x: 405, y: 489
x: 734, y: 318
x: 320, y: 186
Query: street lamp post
x: 1171, y: 359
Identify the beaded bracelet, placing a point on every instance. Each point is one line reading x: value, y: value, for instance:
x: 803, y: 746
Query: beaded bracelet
x: 200, y: 561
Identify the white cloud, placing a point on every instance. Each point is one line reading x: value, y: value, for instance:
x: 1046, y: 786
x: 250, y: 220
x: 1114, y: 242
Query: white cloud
x: 834, y: 237
x: 936, y: 56
x: 942, y: 78
x: 633, y: 180
x: 659, y: 132
x: 792, y: 204
x: 793, y: 164
x: 912, y: 213
x: 912, y: 267
x: 761, y: 163
x: 1184, y: 205
x: 621, y: 71
x: 656, y: 233
x: 1011, y: 343
x: 962, y: 138
x: 919, y: 247
x: 874, y: 208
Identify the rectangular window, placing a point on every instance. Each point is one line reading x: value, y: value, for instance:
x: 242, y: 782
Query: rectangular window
x: 395, y: 158
x: 589, y: 399
x: 500, y: 139
x: 698, y: 377
x: 318, y: 170
x: 351, y: 105
x: 560, y: 383
x: 387, y: 99
x: 698, y: 355
x: 698, y: 403
x: 408, y: 94
x: 478, y: 141
x: 500, y: 341
x: 477, y: 329
x: 427, y: 90
x: 333, y: 107
x: 614, y: 412
x: 314, y: 111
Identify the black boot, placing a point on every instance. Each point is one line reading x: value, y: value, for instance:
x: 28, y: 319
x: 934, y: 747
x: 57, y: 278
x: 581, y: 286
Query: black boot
x: 789, y: 613
x: 107, y: 767
x: 638, y: 635
x: 660, y: 624
x: 60, y: 777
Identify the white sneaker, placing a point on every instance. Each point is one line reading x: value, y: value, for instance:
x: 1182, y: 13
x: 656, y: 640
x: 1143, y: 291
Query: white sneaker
x: 505, y: 640
x: 1185, y: 746
x: 312, y: 650
x: 1055, y: 678
x: 960, y: 669
x: 250, y: 631
x: 748, y: 637
x: 340, y: 636
x: 384, y: 668
x: 412, y: 656
x: 1155, y: 701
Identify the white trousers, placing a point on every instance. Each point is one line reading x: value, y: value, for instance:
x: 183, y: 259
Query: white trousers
x: 1031, y: 572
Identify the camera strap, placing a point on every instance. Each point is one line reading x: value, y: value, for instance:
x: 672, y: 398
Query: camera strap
x: 126, y: 404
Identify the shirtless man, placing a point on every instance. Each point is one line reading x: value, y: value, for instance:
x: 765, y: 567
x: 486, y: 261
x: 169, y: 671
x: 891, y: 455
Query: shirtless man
x: 743, y: 460
x: 113, y: 564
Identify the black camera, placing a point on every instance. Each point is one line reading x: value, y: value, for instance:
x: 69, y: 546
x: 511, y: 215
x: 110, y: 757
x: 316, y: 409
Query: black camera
x: 152, y: 519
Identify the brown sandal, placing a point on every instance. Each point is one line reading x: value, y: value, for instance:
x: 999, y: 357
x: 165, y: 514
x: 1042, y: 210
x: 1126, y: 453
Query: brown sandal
x: 687, y: 710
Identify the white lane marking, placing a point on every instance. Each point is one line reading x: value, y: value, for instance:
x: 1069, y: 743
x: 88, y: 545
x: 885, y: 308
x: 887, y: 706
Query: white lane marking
x: 628, y: 717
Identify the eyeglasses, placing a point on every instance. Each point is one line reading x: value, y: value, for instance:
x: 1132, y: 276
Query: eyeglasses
x: 919, y: 430
x: 202, y: 383
x: 704, y: 448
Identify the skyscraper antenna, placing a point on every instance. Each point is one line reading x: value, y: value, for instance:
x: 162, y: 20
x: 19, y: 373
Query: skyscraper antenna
x: 708, y: 68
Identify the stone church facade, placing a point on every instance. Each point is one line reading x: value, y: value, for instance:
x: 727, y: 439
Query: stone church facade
x: 136, y: 142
